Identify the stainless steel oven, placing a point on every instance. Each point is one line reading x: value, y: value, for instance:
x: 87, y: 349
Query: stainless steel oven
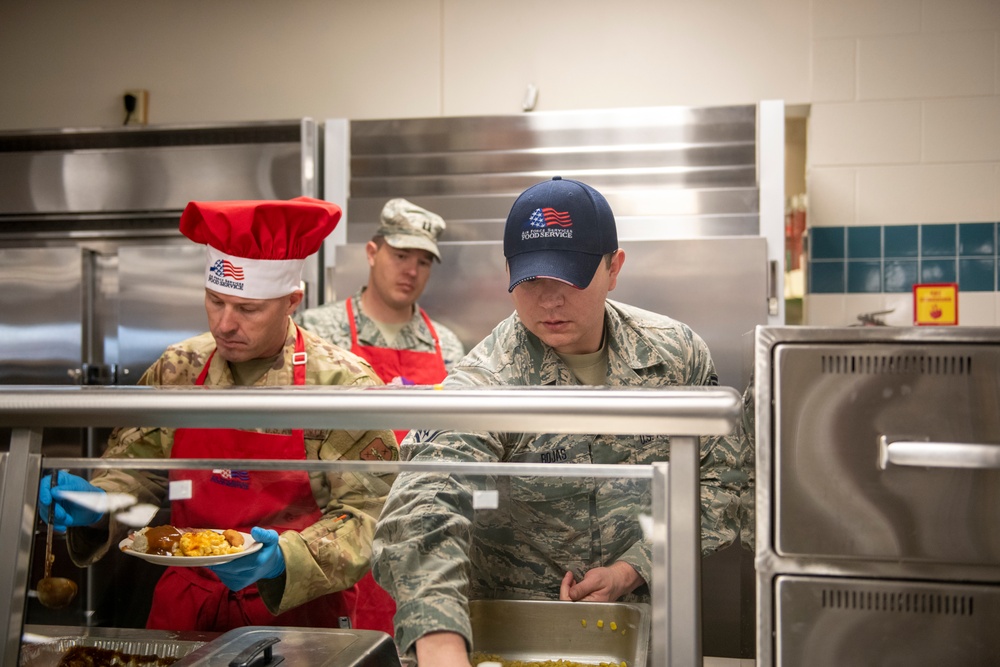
x: 878, y: 497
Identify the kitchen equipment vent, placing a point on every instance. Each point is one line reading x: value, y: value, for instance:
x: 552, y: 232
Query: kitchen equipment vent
x: 898, y: 602
x: 875, y: 364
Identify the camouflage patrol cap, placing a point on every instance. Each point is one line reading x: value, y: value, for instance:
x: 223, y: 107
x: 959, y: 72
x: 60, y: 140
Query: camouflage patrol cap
x: 406, y: 225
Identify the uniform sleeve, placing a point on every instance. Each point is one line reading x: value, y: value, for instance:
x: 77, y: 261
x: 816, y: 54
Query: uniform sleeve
x: 748, y: 530
x: 723, y: 475
x: 423, y: 537
x: 88, y: 544
x: 335, y: 552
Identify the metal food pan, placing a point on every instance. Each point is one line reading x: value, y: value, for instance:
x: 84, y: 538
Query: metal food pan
x: 49, y: 654
x: 539, y: 630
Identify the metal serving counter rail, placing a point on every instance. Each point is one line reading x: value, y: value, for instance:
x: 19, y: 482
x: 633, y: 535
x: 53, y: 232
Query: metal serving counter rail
x: 684, y: 413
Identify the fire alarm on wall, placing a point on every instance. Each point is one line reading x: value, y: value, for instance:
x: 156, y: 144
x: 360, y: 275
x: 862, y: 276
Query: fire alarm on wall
x: 136, y: 107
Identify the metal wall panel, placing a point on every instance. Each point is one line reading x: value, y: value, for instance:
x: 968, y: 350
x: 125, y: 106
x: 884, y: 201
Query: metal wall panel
x: 668, y: 172
x: 41, y: 315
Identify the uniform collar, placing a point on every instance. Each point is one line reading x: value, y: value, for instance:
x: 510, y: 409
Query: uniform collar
x: 368, y: 330
x: 629, y: 351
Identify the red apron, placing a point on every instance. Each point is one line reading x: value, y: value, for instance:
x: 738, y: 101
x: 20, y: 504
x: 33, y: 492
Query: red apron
x: 409, y: 366
x: 194, y: 598
x: 375, y: 608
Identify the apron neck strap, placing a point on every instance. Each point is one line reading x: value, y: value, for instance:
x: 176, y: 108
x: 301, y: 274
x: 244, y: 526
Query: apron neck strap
x: 299, y: 359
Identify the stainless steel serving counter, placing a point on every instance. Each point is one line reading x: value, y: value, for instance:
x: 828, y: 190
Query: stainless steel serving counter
x: 682, y: 413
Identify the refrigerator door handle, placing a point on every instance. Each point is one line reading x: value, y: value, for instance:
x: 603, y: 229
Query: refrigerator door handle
x: 938, y: 454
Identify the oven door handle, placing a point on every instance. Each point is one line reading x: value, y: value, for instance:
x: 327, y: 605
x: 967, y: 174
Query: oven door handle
x: 937, y: 454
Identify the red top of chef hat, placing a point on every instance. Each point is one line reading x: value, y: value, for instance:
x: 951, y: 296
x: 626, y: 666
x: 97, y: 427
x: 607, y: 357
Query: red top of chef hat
x: 261, y: 230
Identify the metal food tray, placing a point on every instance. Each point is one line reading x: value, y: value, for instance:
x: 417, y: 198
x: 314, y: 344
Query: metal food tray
x: 540, y: 630
x: 49, y: 654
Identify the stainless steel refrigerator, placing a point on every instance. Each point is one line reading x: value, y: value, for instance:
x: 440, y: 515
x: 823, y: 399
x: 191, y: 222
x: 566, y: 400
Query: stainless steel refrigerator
x: 96, y: 280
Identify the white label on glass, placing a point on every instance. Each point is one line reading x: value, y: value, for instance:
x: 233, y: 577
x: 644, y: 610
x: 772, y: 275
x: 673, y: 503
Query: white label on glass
x: 485, y: 500
x: 180, y: 490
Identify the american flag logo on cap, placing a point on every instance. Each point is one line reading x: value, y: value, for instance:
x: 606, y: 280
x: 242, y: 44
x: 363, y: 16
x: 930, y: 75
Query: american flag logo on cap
x: 548, y: 217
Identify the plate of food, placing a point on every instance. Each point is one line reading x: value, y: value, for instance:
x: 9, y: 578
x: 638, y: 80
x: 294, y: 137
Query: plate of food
x: 188, y: 547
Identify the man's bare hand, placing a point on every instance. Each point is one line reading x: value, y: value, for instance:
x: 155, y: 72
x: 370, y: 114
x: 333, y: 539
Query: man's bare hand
x: 601, y: 584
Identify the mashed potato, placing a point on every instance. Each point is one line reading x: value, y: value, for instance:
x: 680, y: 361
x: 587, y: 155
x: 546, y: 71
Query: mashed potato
x: 205, y: 543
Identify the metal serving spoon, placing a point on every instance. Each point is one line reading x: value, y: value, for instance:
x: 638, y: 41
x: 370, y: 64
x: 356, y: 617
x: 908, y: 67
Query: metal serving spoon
x: 54, y: 592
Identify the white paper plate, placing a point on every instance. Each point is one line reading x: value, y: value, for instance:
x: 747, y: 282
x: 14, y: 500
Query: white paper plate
x: 250, y: 545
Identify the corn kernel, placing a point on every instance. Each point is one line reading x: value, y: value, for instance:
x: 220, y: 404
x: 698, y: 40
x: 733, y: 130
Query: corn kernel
x: 583, y: 622
x: 600, y: 624
x: 614, y: 626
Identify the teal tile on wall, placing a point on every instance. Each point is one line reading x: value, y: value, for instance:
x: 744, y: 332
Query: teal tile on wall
x: 864, y: 276
x: 826, y: 277
x: 900, y: 275
x: 826, y: 243
x: 976, y: 275
x: 977, y: 238
x: 864, y: 242
x: 938, y: 240
x: 901, y: 241
x: 892, y: 258
x: 937, y: 271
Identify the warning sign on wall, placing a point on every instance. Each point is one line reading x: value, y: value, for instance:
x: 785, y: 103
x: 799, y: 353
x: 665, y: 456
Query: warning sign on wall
x: 935, y: 303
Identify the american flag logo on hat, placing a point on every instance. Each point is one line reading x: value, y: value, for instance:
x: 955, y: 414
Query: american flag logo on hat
x: 226, y: 269
x: 549, y: 217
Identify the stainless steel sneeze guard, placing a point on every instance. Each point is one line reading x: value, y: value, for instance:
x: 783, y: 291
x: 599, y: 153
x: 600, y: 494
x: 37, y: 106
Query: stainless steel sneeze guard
x: 682, y: 412
x: 667, y: 411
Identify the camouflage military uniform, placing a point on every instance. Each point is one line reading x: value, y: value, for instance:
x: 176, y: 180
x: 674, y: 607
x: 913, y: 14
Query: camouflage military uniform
x: 433, y: 553
x: 325, y: 557
x: 330, y: 322
x: 748, y: 530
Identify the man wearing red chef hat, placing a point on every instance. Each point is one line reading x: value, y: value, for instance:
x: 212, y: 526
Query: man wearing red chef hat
x: 316, y: 528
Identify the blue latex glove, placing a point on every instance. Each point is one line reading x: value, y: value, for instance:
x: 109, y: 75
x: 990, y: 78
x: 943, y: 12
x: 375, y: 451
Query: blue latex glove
x: 66, y: 513
x: 267, y: 563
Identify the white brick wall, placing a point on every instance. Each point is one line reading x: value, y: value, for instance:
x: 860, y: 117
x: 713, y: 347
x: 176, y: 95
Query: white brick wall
x: 904, y: 129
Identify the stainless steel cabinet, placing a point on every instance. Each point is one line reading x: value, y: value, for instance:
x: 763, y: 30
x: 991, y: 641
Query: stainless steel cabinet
x: 878, y: 522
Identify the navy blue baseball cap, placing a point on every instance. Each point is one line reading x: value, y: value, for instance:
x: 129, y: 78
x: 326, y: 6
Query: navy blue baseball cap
x: 558, y: 229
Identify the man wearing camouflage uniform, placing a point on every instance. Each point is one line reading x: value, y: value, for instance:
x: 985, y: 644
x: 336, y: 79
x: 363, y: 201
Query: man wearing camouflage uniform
x: 383, y: 320
x: 551, y: 538
x: 326, y: 521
